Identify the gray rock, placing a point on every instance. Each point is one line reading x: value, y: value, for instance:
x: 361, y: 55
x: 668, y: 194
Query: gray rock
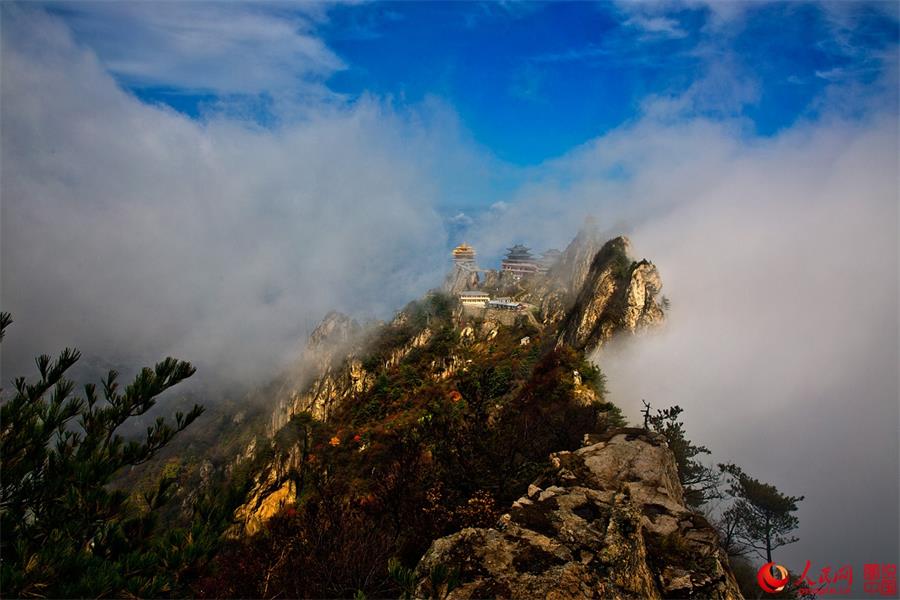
x: 618, y: 295
x: 608, y: 521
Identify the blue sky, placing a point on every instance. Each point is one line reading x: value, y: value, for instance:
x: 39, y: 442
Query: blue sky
x: 529, y: 81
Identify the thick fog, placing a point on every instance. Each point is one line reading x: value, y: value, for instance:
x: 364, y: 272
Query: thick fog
x: 782, y: 340
x: 132, y: 232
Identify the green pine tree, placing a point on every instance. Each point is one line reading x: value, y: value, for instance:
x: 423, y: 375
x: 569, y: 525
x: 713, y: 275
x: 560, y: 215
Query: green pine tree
x: 701, y: 483
x: 761, y: 518
x: 65, y: 532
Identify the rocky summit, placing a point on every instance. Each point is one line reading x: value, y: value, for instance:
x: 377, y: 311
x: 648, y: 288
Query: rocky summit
x: 428, y: 427
x: 608, y: 521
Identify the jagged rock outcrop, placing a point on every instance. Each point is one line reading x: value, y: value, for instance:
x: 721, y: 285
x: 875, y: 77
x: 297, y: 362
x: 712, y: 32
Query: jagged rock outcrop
x: 273, y: 489
x: 337, y: 382
x: 335, y: 331
x: 618, y: 294
x: 335, y: 350
x: 460, y: 279
x: 585, y: 298
x: 575, y: 264
x: 555, y: 292
x: 321, y: 373
x: 608, y: 521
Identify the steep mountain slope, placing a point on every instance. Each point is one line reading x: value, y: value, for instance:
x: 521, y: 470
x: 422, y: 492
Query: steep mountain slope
x: 584, y: 299
x: 390, y: 436
x: 617, y: 295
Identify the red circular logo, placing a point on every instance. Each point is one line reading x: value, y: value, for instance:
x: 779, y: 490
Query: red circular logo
x: 769, y: 581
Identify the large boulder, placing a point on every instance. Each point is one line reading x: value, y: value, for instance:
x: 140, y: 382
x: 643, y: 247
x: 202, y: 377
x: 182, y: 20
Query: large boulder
x: 608, y: 521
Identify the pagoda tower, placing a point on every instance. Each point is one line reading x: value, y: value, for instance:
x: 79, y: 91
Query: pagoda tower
x: 520, y: 261
x: 464, y: 254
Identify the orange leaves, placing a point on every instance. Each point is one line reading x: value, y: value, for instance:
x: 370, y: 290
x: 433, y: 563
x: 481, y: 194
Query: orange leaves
x: 336, y: 439
x: 367, y: 500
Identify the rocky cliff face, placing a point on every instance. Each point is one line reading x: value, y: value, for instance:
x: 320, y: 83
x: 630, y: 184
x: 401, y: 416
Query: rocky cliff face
x: 608, y: 521
x: 334, y: 352
x: 618, y: 294
x: 574, y: 265
x: 555, y: 292
x: 460, y: 279
x: 320, y: 377
x: 596, y: 290
x: 589, y: 295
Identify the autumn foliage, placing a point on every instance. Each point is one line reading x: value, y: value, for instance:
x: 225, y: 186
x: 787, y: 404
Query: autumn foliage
x: 412, y: 459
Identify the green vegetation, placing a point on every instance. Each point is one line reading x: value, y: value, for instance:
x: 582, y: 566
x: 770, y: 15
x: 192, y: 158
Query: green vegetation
x: 439, y: 441
x: 701, y: 483
x: 761, y: 517
x: 433, y: 309
x: 65, y: 532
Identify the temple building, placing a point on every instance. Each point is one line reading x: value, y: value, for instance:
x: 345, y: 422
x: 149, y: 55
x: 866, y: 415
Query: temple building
x: 548, y: 259
x: 474, y: 298
x: 520, y: 261
x: 505, y: 304
x: 464, y: 254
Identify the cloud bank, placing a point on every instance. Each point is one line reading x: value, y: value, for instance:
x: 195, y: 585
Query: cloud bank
x: 780, y: 259
x: 221, y: 47
x: 134, y: 232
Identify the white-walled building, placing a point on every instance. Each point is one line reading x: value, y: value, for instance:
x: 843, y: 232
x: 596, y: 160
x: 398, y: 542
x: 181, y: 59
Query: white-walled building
x: 474, y: 298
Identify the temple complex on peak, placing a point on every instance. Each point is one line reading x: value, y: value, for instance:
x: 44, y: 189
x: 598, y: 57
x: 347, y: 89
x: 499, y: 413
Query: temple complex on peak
x: 474, y: 293
x: 520, y: 261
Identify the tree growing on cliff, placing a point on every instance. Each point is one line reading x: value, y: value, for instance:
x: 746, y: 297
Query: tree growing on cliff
x: 761, y: 517
x: 65, y: 533
x: 701, y: 483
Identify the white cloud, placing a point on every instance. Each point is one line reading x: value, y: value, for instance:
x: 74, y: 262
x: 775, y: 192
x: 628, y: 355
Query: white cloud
x: 133, y: 232
x: 718, y: 91
x: 652, y: 12
x: 219, y: 47
x: 461, y: 218
x: 780, y: 258
x: 657, y: 26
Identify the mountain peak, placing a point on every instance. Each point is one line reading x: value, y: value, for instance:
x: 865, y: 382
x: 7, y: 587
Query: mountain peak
x: 617, y: 294
x: 335, y: 329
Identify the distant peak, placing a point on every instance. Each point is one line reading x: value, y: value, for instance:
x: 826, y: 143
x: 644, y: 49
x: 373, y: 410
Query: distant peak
x: 620, y: 243
x: 335, y: 328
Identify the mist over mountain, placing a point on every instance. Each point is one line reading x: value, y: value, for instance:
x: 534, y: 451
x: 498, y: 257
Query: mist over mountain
x: 210, y: 181
x: 218, y: 241
x: 784, y: 258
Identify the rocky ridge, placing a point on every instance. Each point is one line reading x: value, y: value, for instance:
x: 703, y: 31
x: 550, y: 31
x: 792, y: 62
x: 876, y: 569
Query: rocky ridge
x: 608, y: 521
x: 618, y: 295
x: 594, y: 291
